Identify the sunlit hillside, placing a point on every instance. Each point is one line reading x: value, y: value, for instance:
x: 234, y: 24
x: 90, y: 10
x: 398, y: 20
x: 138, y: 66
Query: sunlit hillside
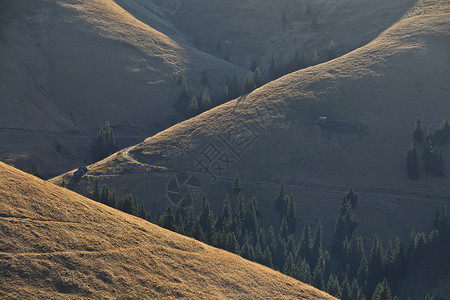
x: 383, y: 88
x: 57, y: 244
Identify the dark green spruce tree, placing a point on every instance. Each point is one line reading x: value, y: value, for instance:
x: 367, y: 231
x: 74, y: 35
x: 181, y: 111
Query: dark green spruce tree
x: 418, y: 132
x: 331, y: 51
x: 412, y: 163
x: 249, y: 84
x: 105, y: 144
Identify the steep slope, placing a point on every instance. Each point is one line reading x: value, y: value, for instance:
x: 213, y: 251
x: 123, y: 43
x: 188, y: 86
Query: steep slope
x: 55, y: 243
x: 68, y: 66
x: 270, y: 135
x: 243, y: 31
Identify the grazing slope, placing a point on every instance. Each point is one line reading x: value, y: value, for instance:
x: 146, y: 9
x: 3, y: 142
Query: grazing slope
x: 68, y: 66
x: 55, y: 243
x: 384, y: 86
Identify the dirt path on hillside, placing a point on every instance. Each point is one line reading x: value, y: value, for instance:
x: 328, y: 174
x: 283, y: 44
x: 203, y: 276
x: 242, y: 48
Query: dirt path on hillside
x: 329, y: 189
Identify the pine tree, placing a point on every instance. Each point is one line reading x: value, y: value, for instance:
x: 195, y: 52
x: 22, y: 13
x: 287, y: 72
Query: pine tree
x: 303, y: 271
x: 258, y: 79
x: 289, y: 267
x: 344, y: 226
x: 226, y: 94
x: 141, y: 213
x: 232, y: 243
x: 105, y: 196
x: 442, y: 134
x: 291, y: 216
x: 382, y: 291
x: 356, y: 291
x: 268, y: 257
x: 105, y: 144
x: 272, y: 69
x: 315, y: 59
x: 346, y: 289
x: 225, y: 221
x: 317, y: 278
x: 167, y: 220
x: 432, y: 159
x: 183, y: 96
x: 316, y: 250
x: 284, y: 231
x: 198, y: 233
x: 306, y: 242
x: 412, y: 163
x: 236, y: 183
x: 206, y: 99
x: 128, y: 204
x: 352, y: 197
x: 271, y: 241
x: 333, y: 287
x: 376, y: 263
x: 206, y: 218
x: 259, y: 255
x: 363, y: 271
x: 193, y: 106
x: 251, y: 218
x: 239, y: 216
x: 418, y: 132
x: 331, y: 51
x: 281, y: 201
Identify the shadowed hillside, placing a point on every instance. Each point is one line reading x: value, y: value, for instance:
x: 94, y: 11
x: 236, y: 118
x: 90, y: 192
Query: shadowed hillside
x: 383, y: 87
x: 254, y: 30
x: 68, y: 66
x: 55, y: 243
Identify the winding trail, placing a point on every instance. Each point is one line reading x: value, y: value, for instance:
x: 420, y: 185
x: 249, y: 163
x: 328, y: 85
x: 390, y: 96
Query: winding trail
x: 328, y: 189
x: 127, y: 156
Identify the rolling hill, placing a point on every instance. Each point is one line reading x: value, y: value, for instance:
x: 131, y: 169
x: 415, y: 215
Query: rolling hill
x: 270, y: 135
x: 57, y: 244
x: 254, y: 30
x: 68, y: 66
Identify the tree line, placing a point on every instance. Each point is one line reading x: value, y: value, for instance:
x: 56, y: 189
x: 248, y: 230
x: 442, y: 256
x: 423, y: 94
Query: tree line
x: 345, y: 270
x: 431, y: 157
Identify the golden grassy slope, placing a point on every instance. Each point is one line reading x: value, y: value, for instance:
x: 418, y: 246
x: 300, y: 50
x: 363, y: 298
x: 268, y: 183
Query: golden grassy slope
x: 385, y: 85
x: 68, y: 66
x: 55, y: 243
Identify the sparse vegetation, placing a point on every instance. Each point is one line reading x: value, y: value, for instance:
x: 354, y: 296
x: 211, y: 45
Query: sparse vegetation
x: 249, y: 84
x: 315, y: 58
x: 433, y: 162
x: 331, y: 51
x: 105, y: 144
x: 193, y: 106
x: 206, y: 99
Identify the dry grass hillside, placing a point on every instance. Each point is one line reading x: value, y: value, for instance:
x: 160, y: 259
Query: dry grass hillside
x: 57, y: 244
x: 68, y: 66
x: 270, y: 135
